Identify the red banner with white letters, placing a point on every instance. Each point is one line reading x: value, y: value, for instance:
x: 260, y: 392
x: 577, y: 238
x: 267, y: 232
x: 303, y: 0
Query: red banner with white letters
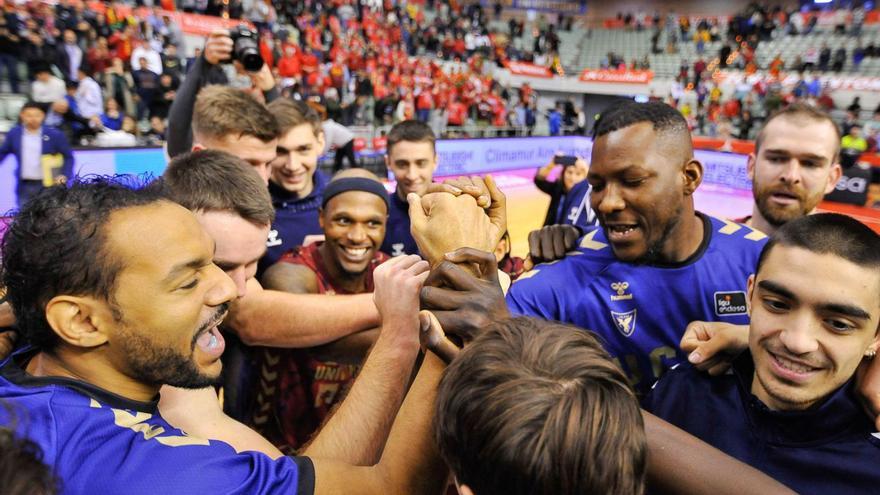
x: 617, y: 76
x: 527, y: 69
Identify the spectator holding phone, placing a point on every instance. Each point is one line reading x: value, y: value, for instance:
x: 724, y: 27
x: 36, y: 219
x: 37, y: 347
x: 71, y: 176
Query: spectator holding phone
x: 574, y: 171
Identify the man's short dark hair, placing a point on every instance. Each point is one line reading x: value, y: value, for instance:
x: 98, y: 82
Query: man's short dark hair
x: 213, y: 180
x: 663, y: 117
x: 801, y: 111
x: 537, y: 407
x: 33, y: 104
x: 57, y: 245
x: 410, y: 130
x: 828, y: 233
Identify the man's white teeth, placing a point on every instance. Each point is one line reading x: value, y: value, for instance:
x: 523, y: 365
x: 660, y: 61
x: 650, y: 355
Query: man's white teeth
x: 792, y: 366
x: 356, y: 252
x: 623, y: 229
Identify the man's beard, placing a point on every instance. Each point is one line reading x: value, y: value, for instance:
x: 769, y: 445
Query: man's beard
x: 655, y: 249
x: 779, y: 216
x: 154, y: 364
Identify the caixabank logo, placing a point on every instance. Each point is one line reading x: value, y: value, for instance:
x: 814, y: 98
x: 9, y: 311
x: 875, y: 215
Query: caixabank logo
x: 730, y: 303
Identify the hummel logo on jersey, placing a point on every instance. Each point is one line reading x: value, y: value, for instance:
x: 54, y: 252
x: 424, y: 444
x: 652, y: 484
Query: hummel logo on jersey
x: 621, y: 287
x: 273, y: 239
x: 730, y: 303
x: 625, y: 322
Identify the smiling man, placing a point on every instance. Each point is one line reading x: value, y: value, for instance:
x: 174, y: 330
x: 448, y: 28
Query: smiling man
x: 412, y: 159
x: 109, y: 322
x: 793, y: 167
x: 655, y: 264
x: 295, y: 182
x: 231, y: 120
x: 789, y: 407
x: 309, y: 382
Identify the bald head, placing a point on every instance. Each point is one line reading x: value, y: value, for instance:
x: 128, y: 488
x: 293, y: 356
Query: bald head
x: 354, y: 173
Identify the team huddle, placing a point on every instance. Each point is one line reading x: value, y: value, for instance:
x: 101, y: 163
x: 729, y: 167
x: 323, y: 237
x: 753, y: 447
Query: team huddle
x: 364, y: 341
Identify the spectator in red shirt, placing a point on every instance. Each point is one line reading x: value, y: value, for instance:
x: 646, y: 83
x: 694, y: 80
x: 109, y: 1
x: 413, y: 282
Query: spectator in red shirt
x: 289, y: 65
x: 457, y: 114
x: 424, y: 104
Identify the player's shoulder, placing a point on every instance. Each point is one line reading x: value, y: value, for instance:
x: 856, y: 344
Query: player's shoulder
x: 730, y: 233
x: 675, y: 389
x: 591, y: 256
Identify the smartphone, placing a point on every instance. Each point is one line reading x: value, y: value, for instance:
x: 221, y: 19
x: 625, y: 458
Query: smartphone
x: 565, y: 160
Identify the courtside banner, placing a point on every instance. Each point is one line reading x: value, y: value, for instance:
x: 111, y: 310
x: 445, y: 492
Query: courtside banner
x: 456, y: 156
x: 788, y: 80
x: 528, y: 70
x: 724, y: 169
x: 480, y: 156
x: 616, y: 76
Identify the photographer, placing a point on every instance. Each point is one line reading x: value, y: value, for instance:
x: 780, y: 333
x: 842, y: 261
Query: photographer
x: 206, y: 70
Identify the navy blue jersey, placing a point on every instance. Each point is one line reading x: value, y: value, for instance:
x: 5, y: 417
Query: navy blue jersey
x: 575, y: 207
x: 294, y: 220
x: 98, y: 442
x: 832, y: 448
x: 641, y: 311
x: 398, y: 239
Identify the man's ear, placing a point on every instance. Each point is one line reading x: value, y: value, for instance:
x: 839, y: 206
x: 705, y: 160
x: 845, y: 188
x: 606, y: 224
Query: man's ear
x: 693, y: 176
x: 81, y: 321
x: 750, y: 165
x: 198, y: 147
x: 322, y: 141
x: 833, y: 177
x: 750, y: 290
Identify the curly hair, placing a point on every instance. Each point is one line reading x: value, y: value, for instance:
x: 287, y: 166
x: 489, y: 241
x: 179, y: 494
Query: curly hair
x: 57, y: 245
x: 663, y: 117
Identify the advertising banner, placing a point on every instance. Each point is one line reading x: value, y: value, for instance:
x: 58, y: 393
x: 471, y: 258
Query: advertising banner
x: 529, y: 70
x: 617, y: 76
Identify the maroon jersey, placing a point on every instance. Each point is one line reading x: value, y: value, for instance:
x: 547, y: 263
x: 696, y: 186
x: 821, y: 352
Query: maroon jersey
x: 296, y: 391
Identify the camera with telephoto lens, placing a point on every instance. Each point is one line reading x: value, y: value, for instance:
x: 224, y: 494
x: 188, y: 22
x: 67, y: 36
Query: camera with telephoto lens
x: 245, y: 48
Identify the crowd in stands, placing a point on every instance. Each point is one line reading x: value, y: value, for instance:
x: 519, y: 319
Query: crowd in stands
x: 109, y: 77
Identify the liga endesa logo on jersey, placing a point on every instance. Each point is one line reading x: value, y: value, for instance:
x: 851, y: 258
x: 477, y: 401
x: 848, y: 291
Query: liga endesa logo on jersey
x: 730, y: 303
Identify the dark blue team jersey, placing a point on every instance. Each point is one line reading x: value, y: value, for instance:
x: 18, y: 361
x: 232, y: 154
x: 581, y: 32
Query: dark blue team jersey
x: 641, y: 311
x: 828, y: 449
x: 100, y: 443
x: 295, y: 218
x: 398, y: 239
x: 574, y: 209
